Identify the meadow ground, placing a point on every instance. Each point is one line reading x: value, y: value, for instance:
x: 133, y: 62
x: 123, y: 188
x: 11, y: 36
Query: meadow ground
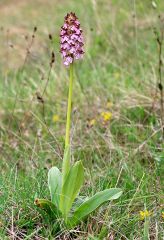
x: 119, y: 74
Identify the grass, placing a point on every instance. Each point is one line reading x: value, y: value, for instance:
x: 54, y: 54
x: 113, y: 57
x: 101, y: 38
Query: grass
x: 120, y: 66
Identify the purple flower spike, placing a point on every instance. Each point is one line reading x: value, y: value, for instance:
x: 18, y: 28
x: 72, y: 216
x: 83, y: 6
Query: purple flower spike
x: 71, y: 39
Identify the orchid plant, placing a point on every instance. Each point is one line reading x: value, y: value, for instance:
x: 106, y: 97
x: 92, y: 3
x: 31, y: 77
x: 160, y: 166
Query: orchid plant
x: 64, y: 186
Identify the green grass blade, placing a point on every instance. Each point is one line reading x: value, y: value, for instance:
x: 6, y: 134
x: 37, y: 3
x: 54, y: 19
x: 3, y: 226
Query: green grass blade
x: 146, y: 229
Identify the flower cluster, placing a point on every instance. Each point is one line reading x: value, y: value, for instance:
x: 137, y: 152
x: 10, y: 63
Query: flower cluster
x: 106, y: 116
x: 71, y: 39
x: 55, y: 118
x: 144, y: 214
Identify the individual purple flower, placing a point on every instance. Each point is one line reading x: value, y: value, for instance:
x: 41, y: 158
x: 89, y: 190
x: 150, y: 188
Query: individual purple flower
x: 71, y: 39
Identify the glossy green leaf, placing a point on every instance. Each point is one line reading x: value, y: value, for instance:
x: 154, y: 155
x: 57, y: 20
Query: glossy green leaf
x: 55, y: 184
x: 94, y: 202
x: 71, y: 187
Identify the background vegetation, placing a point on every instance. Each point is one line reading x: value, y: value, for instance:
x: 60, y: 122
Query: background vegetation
x: 119, y: 74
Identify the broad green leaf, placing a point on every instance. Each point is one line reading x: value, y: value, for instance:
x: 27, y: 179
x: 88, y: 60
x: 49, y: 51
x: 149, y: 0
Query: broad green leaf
x: 71, y: 187
x: 55, y: 184
x: 66, y: 163
x: 47, y: 206
x: 78, y: 201
x: 94, y: 202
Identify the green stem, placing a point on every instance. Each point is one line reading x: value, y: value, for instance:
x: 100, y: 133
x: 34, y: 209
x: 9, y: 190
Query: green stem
x: 67, y: 155
x: 69, y: 108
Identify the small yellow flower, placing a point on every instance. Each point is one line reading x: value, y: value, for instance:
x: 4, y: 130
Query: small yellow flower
x: 144, y: 214
x: 92, y: 122
x: 55, y: 118
x: 117, y: 75
x: 162, y: 215
x: 106, y: 116
x: 109, y: 104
